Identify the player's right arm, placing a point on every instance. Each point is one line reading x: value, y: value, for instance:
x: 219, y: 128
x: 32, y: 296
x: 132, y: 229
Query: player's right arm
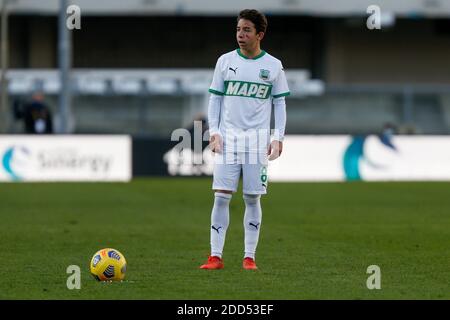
x: 215, y: 101
x: 215, y: 138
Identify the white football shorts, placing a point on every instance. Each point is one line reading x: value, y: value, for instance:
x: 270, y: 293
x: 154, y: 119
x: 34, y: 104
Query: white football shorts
x: 227, y: 171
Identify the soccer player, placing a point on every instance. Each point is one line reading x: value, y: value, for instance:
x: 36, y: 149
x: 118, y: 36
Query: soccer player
x: 246, y: 83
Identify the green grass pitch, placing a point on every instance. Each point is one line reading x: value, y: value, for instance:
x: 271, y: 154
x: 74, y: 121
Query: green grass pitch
x: 317, y: 240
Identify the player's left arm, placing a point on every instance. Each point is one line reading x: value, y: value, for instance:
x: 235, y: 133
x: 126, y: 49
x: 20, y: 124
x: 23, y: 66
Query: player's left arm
x: 280, y: 91
x: 279, y: 111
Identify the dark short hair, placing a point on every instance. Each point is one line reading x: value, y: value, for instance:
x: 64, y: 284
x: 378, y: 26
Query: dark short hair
x: 258, y: 19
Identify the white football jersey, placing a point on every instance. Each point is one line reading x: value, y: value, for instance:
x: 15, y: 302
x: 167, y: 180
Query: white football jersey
x: 248, y: 86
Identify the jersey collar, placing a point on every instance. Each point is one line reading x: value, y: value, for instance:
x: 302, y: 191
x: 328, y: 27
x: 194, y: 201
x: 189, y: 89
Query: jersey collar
x: 254, y: 58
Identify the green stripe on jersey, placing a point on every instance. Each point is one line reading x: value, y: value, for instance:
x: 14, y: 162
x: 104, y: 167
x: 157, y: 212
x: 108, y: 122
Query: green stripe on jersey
x: 216, y: 92
x: 247, y: 89
x: 282, y: 95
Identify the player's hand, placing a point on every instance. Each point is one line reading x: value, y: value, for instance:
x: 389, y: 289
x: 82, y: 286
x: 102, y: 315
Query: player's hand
x: 215, y: 143
x: 275, y: 149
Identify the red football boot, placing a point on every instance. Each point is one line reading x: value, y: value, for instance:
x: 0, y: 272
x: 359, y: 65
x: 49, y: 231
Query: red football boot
x: 249, y: 264
x: 213, y: 263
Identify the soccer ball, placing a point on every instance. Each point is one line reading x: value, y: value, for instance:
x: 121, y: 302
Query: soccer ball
x: 108, y: 265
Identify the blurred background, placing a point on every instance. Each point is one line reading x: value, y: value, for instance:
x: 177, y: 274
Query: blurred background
x: 142, y: 68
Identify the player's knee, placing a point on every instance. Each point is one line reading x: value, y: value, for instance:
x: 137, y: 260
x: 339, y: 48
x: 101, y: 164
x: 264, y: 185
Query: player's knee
x: 222, y: 199
x: 251, y: 199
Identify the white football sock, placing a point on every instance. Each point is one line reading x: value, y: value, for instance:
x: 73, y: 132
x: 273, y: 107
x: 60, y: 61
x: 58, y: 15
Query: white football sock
x: 252, y: 224
x: 220, y: 218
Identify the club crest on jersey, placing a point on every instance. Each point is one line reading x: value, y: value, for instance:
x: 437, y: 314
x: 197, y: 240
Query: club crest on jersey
x: 264, y: 74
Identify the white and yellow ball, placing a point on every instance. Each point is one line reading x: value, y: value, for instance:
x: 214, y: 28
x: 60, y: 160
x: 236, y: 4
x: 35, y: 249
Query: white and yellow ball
x: 108, y: 265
